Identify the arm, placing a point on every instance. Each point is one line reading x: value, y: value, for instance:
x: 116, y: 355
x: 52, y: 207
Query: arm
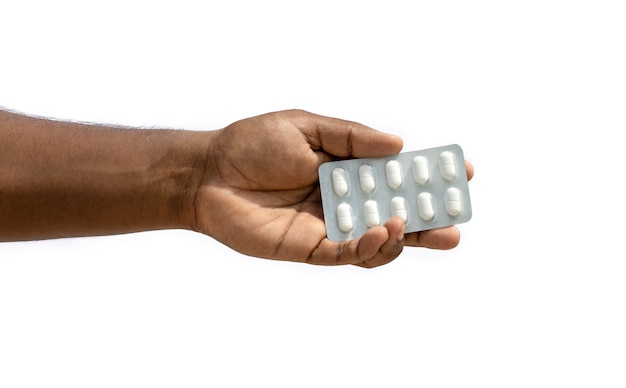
x: 252, y: 185
x: 60, y: 179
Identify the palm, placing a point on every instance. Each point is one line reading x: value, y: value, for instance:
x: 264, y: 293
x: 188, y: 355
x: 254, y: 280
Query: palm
x: 265, y: 185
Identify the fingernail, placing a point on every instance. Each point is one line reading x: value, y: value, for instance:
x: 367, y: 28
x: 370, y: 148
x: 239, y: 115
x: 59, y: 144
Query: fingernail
x: 400, y: 236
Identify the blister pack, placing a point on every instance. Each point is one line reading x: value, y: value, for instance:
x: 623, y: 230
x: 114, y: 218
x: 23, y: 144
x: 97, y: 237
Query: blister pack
x: 428, y: 189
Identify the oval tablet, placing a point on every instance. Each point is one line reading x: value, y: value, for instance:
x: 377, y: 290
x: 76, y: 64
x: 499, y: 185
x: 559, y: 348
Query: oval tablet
x: 425, y: 206
x: 447, y: 165
x: 453, y: 202
x: 340, y: 181
x: 370, y: 213
x: 421, y: 171
x: 344, y: 217
x: 398, y: 208
x: 393, y: 170
x: 366, y: 178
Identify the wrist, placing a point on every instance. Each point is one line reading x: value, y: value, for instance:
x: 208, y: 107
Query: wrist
x: 186, y: 169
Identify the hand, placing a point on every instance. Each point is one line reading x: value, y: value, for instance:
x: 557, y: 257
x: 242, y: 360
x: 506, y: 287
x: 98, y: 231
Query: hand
x: 260, y: 193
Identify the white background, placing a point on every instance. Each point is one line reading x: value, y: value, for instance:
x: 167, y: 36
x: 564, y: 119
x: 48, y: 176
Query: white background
x: 534, y: 91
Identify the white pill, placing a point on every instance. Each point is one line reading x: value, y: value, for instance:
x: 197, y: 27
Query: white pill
x: 447, y: 165
x: 366, y: 178
x: 393, y: 170
x: 344, y: 217
x: 398, y: 208
x: 453, y: 202
x: 370, y: 213
x: 425, y: 206
x: 340, y: 181
x: 421, y: 171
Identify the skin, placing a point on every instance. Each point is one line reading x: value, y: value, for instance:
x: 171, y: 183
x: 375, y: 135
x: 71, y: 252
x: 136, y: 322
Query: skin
x: 252, y: 185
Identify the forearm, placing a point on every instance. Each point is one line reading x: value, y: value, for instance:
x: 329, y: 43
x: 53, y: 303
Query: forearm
x: 61, y: 179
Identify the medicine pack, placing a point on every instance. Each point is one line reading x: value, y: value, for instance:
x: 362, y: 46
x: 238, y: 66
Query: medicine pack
x: 428, y: 189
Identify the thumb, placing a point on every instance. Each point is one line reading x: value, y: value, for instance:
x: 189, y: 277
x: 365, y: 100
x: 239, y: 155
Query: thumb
x: 347, y: 138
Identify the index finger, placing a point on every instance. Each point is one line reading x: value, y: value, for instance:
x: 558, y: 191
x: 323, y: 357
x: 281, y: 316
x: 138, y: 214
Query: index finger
x: 347, y: 138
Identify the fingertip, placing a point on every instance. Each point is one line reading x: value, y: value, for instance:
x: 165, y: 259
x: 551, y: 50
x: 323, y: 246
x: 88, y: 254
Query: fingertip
x: 391, y: 247
x: 469, y: 168
x: 445, y: 238
x: 371, y: 241
x: 369, y: 143
x: 453, y: 240
x: 395, y: 226
x: 441, y: 238
x: 396, y: 142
